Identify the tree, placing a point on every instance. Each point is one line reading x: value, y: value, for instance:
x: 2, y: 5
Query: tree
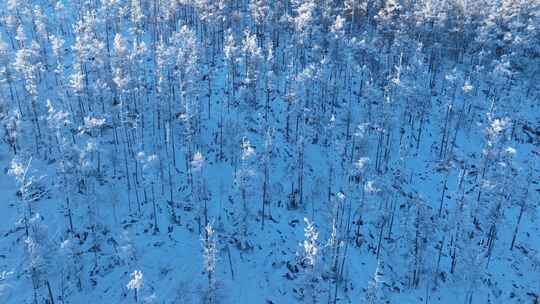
x: 59, y: 124
x: 39, y: 251
x: 28, y: 64
x: 309, y: 259
x: 198, y: 188
x: 185, y: 51
x: 210, y: 252
x: 11, y: 125
x: 149, y: 177
x: 36, y: 241
x: 245, y: 177
x: 26, y: 187
x: 375, y: 293
x: 251, y: 61
x: 136, y: 283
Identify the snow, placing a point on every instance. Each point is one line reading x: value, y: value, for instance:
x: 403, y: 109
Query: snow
x: 268, y: 152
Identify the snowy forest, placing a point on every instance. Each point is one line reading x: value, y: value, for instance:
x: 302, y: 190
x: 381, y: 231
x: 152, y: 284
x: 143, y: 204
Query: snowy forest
x: 269, y: 151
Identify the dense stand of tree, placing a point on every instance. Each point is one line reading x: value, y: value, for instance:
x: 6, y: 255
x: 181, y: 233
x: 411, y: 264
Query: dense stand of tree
x: 341, y: 112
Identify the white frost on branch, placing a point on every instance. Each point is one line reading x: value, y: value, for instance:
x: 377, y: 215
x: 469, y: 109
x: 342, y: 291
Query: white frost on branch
x: 136, y: 281
x: 210, y: 249
x: 198, y: 161
x: 310, y: 244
